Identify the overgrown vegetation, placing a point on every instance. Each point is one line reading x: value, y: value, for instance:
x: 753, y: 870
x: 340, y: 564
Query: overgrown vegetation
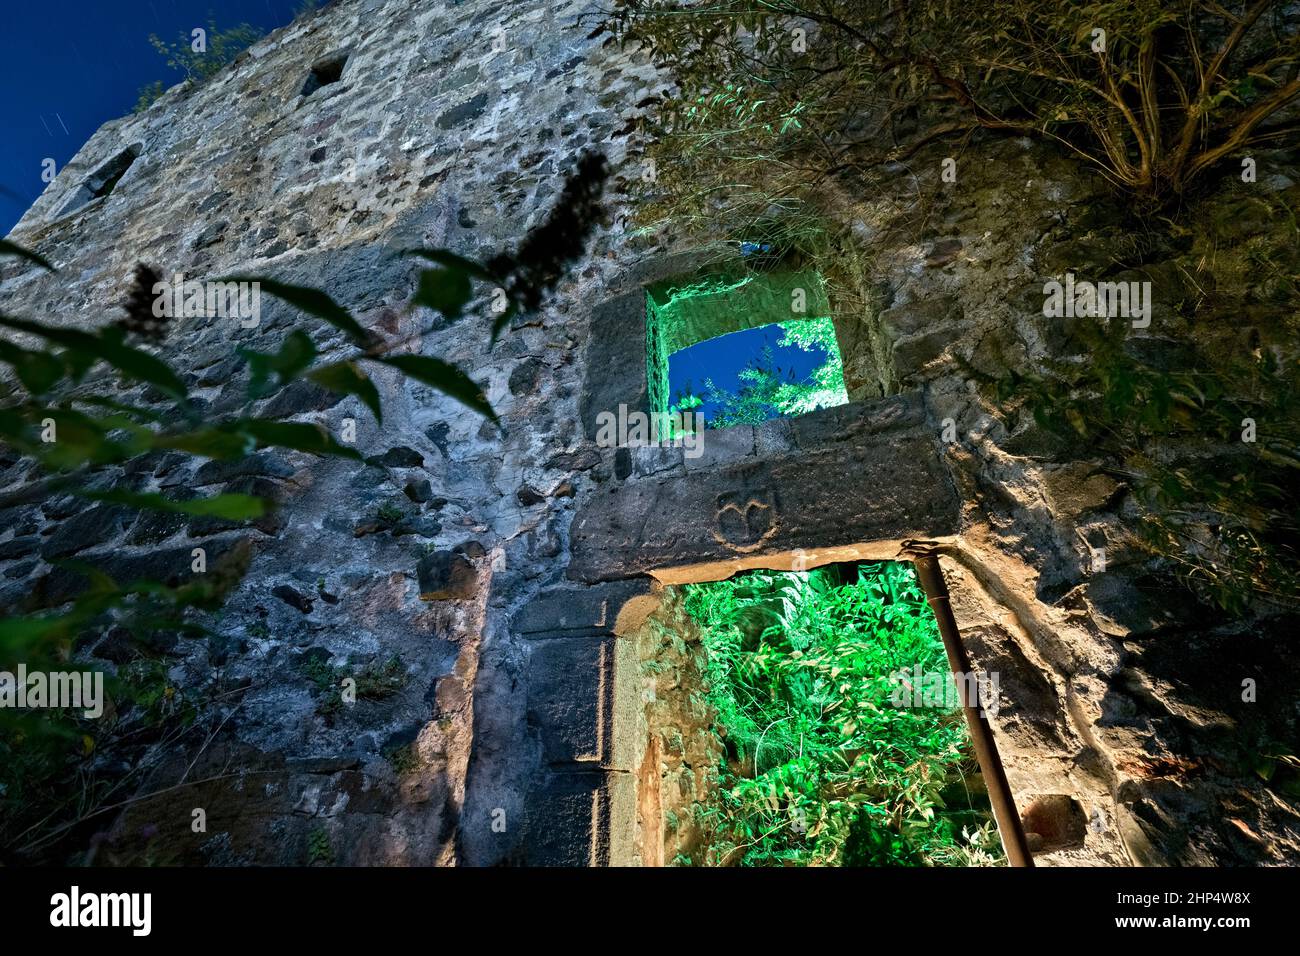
x: 1153, y: 94
x: 785, y: 112
x: 821, y: 768
x: 1223, y: 520
x: 84, y: 404
x: 199, y: 58
x: 320, y: 851
x: 765, y: 392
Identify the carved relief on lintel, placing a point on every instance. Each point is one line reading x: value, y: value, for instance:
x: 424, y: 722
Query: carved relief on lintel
x: 745, y: 520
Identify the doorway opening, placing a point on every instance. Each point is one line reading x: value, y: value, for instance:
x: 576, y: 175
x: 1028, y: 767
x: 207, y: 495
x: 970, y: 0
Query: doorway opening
x: 806, y: 718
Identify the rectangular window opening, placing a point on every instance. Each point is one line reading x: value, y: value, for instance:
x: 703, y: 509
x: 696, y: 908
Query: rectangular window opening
x: 741, y: 350
x: 806, y: 718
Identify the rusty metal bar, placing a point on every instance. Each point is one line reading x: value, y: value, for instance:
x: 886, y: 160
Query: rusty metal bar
x: 924, y: 554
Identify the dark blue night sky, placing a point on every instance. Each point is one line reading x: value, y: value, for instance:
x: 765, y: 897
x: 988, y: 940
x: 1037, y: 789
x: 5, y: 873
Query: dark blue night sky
x: 69, y: 66
x: 723, y: 358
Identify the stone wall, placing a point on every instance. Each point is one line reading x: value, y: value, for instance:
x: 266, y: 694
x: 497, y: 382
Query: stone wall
x: 451, y: 125
x: 524, y: 560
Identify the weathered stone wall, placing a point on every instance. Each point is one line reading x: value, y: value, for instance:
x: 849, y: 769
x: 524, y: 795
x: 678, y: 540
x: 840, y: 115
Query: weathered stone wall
x: 506, y: 729
x: 452, y: 125
x: 1119, y: 689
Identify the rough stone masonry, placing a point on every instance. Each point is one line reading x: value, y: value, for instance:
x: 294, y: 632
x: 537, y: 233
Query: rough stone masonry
x: 499, y: 593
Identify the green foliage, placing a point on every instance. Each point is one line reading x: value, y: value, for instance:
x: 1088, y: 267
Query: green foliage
x: 377, y: 680
x: 150, y: 93
x: 347, y: 378
x: 390, y: 512
x: 444, y: 377
x: 320, y: 851
x: 402, y: 758
x: 232, y: 507
x: 766, y: 393
x: 223, y: 46
x: 821, y: 768
x: 1224, y: 523
x: 80, y: 403
x: 762, y: 115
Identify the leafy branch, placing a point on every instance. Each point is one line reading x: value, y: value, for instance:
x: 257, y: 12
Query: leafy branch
x: 85, y: 402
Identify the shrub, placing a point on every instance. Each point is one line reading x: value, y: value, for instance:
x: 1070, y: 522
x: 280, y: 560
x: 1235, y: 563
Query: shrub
x: 773, y: 99
x: 821, y: 768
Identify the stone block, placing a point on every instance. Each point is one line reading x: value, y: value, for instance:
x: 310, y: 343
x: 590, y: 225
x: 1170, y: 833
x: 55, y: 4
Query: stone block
x: 927, y: 314
x: 913, y: 353
x: 298, y: 397
x: 651, y: 460
x: 1077, y: 488
x: 581, y: 819
x: 856, y: 421
x: 446, y: 576
x: 868, y: 474
x: 774, y: 437
x: 570, y: 697
x: 572, y: 611
x: 254, y: 466
x: 19, y: 547
x: 720, y: 446
x: 171, y: 566
x: 617, y: 375
x: 85, y: 530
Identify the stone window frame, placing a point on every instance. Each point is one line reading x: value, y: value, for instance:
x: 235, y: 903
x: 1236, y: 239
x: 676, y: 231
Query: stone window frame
x: 110, y: 173
x: 634, y: 352
x: 753, y: 300
x: 313, y: 84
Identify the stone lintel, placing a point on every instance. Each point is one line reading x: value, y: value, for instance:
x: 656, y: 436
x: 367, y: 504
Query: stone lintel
x: 863, y: 472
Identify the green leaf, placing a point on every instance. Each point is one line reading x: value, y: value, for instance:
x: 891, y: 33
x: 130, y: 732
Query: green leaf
x: 452, y: 261
x: 19, y: 636
x: 446, y: 290
x: 299, y: 436
x: 38, y: 371
x: 8, y: 248
x: 224, y: 443
x: 232, y: 506
x: 346, y: 378
x: 444, y: 377
x: 109, y: 346
x: 77, y: 362
x: 313, y: 302
x: 79, y: 438
x: 296, y: 353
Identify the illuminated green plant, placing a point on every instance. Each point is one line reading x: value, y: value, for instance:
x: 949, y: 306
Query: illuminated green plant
x: 820, y: 767
x: 766, y: 393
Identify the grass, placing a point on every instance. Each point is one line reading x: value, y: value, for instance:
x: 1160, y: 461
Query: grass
x: 820, y: 768
x: 377, y: 680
